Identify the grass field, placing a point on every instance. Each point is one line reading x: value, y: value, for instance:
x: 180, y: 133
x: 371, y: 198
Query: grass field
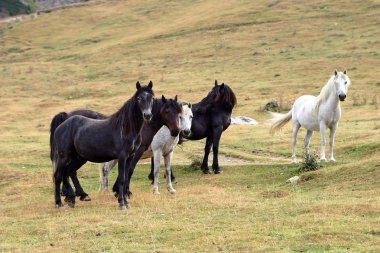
x: 91, y: 57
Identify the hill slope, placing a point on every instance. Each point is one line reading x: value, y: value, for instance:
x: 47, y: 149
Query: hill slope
x: 76, y: 58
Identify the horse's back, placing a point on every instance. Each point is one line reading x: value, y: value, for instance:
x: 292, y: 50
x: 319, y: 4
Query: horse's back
x: 303, y: 112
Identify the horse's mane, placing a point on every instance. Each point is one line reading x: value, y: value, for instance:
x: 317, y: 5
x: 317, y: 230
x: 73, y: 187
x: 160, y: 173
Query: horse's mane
x: 227, y: 99
x: 126, y: 117
x: 158, y: 104
x: 325, y: 92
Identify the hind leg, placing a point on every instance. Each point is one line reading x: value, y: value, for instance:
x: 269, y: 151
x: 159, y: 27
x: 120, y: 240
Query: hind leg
x: 204, y: 166
x: 104, y: 171
x: 296, y: 127
x: 168, y: 162
x: 79, y: 192
x: 306, y: 142
x: 70, y: 195
x: 58, y: 167
x: 322, y: 127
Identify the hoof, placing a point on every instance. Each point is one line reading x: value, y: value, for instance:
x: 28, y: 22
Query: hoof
x: 294, y: 161
x: 122, y: 207
x: 155, y: 191
x: 85, y: 198
x: 332, y: 160
x: 128, y: 206
x: 323, y: 160
x: 218, y: 171
x: 116, y: 195
x: 174, y: 180
x: 129, y: 194
x: 206, y: 171
x: 59, y: 205
x: 172, y: 190
x: 71, y: 204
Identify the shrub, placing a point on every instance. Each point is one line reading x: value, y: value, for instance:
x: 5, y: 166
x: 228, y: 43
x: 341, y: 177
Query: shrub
x: 309, y: 163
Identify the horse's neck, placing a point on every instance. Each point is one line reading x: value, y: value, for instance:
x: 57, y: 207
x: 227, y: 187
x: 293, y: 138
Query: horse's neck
x: 330, y: 107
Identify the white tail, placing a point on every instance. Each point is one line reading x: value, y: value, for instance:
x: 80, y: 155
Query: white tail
x: 279, y: 123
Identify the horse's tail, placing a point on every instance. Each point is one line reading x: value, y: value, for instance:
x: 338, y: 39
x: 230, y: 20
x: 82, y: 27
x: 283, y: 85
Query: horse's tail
x: 279, y: 123
x: 55, y: 122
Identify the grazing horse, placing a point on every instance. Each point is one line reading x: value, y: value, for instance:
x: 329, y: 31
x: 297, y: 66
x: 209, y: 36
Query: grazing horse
x: 163, y: 144
x: 212, y: 116
x: 317, y: 114
x: 58, y: 120
x: 80, y: 139
x: 149, y: 131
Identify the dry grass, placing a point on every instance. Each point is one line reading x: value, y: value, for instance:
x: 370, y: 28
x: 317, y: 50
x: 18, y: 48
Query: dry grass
x: 76, y: 58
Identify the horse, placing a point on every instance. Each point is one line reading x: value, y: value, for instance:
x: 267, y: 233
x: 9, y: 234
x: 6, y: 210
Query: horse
x: 212, y: 116
x: 317, y: 114
x: 165, y: 112
x: 56, y: 121
x: 148, y: 132
x: 163, y: 144
x: 80, y: 139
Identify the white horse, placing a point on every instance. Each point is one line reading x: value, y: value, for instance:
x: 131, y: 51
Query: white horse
x: 163, y: 144
x: 317, y: 114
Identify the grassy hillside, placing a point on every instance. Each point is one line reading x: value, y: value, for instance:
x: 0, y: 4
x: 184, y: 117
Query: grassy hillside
x: 76, y: 58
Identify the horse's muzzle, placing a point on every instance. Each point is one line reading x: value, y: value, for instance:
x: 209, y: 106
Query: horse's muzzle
x: 147, y: 116
x: 186, y: 132
x: 342, y: 97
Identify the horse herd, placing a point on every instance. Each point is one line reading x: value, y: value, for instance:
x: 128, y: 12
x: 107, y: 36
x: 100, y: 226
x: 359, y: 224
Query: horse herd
x: 149, y: 127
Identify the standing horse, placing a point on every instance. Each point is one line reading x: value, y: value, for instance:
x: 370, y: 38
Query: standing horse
x: 149, y: 131
x: 80, y: 139
x: 317, y: 114
x: 58, y: 120
x: 163, y: 144
x: 212, y: 116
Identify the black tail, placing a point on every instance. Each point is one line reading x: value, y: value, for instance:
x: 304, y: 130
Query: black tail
x: 55, y: 122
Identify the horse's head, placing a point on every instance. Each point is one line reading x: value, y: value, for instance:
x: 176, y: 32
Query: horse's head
x: 341, y: 82
x: 185, y: 118
x: 169, y: 113
x: 144, y: 99
x: 223, y: 94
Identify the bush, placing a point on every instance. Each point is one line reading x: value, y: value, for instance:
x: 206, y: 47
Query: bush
x: 309, y: 163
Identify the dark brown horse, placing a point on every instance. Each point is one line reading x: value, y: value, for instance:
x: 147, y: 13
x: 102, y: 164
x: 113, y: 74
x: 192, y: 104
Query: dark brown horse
x: 211, y: 116
x: 80, y: 139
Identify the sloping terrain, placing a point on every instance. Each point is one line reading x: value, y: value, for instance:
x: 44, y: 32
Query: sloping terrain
x: 92, y: 56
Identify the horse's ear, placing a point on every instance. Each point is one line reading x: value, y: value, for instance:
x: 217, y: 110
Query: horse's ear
x: 336, y: 72
x: 176, y: 98
x: 150, y: 85
x: 163, y: 99
x: 189, y: 105
x: 345, y: 72
x: 138, y: 85
x: 216, y: 82
x: 222, y: 86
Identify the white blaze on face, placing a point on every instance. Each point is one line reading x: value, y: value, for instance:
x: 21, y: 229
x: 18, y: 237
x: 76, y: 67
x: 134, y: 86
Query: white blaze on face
x: 186, y: 117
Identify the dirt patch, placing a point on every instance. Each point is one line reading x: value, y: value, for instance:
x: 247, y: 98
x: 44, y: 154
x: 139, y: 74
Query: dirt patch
x: 9, y: 176
x: 274, y: 194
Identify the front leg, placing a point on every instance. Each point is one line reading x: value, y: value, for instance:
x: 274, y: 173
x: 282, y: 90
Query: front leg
x: 168, y: 162
x: 322, y: 128
x: 156, y: 156
x: 332, y: 136
x: 215, y: 149
x: 121, y: 182
x: 204, y: 166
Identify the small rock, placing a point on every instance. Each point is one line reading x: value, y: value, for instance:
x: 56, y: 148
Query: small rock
x: 293, y: 180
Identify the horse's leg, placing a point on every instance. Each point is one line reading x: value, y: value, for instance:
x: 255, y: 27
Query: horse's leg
x: 70, y: 195
x: 156, y: 157
x: 104, y: 171
x: 168, y: 162
x: 83, y: 196
x: 332, y: 136
x: 204, y: 166
x: 134, y: 160
x: 322, y: 128
x: 306, y: 141
x: 296, y: 127
x: 121, y: 182
x: 58, y: 176
x: 151, y: 174
x: 215, y: 149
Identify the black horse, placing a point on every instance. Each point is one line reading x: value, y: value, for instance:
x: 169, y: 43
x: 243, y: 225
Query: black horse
x: 147, y: 134
x: 164, y: 112
x: 211, y: 116
x: 57, y: 120
x: 80, y: 139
